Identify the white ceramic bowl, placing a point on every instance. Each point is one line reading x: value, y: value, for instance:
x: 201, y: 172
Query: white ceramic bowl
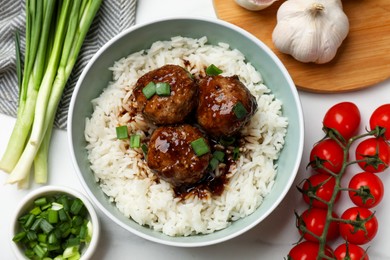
x: 28, y: 202
x: 96, y: 76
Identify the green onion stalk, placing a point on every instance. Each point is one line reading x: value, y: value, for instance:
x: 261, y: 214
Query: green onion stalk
x: 55, y: 31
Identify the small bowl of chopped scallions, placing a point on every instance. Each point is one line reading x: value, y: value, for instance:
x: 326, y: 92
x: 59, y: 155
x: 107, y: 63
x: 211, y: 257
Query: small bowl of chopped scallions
x: 55, y: 222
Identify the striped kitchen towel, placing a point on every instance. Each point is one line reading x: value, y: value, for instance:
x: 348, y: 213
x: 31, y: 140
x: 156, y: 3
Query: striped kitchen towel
x: 113, y: 17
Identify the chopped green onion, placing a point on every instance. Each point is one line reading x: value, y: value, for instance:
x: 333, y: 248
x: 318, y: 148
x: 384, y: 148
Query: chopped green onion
x: 121, y: 132
x: 46, y: 226
x: 144, y: 148
x: 53, y: 247
x: 213, y: 164
x: 213, y: 70
x: 83, y: 232
x: 49, y: 233
x: 64, y: 200
x: 63, y: 216
x: 52, y: 239
x: 35, y: 225
x: 77, y: 221
x: 149, y: 90
x: 45, y: 207
x: 41, y: 201
x: 56, y: 206
x: 31, y: 235
x: 219, y: 155
x: 39, y: 251
x: 36, y: 211
x: 19, y: 236
x: 200, y: 146
x: 76, y: 206
x: 70, y: 251
x: 52, y: 216
x: 239, y: 110
x: 30, y: 221
x: 135, y: 141
x: 74, y: 241
x: 163, y: 89
x: 89, y: 234
x: 236, y: 153
x: 42, y: 237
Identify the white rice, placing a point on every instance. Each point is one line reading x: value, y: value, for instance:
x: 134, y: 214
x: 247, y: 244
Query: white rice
x: 123, y: 174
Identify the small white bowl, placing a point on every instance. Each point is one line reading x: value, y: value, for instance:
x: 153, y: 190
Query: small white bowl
x: 49, y: 190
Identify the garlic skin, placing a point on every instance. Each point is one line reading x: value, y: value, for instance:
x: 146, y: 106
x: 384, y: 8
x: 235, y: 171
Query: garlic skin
x: 255, y: 5
x: 310, y: 30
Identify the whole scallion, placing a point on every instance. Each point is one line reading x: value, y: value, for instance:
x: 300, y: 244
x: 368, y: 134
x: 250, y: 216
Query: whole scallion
x: 55, y: 31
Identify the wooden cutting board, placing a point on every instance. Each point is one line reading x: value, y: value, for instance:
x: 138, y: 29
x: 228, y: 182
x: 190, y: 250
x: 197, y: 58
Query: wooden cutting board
x: 362, y: 60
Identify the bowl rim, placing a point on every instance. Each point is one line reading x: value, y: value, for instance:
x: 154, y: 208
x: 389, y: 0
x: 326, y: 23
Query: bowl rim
x: 241, y: 31
x: 51, y: 189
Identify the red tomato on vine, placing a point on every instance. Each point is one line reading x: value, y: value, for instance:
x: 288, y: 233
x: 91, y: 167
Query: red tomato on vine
x: 307, y: 250
x: 320, y: 185
x: 363, y: 230
x: 373, y: 155
x: 313, y: 220
x: 351, y: 252
x: 327, y: 155
x: 381, y: 117
x: 342, y: 118
x: 369, y: 188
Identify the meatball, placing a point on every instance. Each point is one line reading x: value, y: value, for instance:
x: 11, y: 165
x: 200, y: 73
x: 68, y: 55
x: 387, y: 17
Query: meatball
x: 172, y: 158
x: 225, y: 105
x: 169, y: 109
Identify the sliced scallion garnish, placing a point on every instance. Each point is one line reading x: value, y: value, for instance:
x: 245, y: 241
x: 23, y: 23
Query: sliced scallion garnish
x: 219, y: 155
x: 163, y: 89
x: 213, y: 164
x: 200, y: 146
x: 135, y: 141
x: 213, y: 70
x: 121, y: 132
x: 149, y: 90
x: 239, y: 110
x: 144, y: 148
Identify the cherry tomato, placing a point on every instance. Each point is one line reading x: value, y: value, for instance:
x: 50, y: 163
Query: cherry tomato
x: 370, y: 189
x: 329, y: 154
x: 314, y: 220
x: 307, y: 250
x: 320, y: 185
x: 358, y: 234
x: 381, y: 117
x: 375, y: 152
x: 344, y: 118
x: 351, y: 252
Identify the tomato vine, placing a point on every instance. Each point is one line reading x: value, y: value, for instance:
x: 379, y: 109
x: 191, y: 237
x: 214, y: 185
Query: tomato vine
x: 329, y: 159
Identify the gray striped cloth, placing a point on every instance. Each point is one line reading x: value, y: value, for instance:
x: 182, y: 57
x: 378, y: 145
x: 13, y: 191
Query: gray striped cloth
x: 113, y: 17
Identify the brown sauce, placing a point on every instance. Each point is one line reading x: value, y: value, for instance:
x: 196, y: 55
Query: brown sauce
x: 211, y: 185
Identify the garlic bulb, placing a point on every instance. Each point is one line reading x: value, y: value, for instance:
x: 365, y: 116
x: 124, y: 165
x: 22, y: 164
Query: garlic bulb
x: 310, y: 30
x: 255, y: 5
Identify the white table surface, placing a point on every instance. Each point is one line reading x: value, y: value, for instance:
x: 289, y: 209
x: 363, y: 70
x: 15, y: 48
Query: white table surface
x: 271, y: 239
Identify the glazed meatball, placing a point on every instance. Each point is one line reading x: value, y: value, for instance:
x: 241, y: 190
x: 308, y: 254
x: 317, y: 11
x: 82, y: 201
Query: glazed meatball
x: 225, y: 105
x: 169, y: 109
x: 172, y: 158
